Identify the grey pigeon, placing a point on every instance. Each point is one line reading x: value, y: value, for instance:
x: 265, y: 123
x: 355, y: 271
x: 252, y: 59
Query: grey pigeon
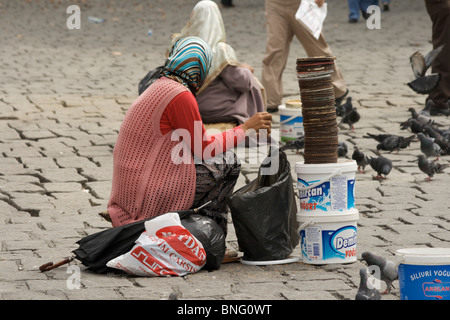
x: 432, y: 133
x: 388, y: 268
x: 439, y: 139
x: 342, y: 149
x: 395, y: 142
x: 360, y: 158
x: 445, y: 134
x: 429, y: 147
x: 423, y: 119
x: 381, y: 165
x: 430, y: 167
x: 296, y: 144
x: 423, y: 83
x: 364, y: 292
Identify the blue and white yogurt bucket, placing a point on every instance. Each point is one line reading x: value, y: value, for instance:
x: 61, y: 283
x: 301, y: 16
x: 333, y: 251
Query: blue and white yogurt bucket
x: 291, y: 123
x: 327, y: 239
x: 424, y: 273
x: 326, y: 188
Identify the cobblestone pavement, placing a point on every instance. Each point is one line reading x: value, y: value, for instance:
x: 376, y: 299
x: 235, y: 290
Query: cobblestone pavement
x: 64, y: 93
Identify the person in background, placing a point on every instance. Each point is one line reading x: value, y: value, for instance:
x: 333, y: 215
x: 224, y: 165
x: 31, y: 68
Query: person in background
x: 227, y: 3
x: 281, y: 27
x: 357, y: 6
x: 231, y: 93
x: 163, y: 159
x: 438, y: 101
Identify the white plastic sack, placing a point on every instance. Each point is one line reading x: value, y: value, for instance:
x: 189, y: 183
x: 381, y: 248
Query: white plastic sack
x: 312, y: 16
x: 165, y: 248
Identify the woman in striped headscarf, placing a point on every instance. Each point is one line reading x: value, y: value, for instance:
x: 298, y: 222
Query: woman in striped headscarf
x: 231, y: 93
x: 189, y: 62
x: 154, y: 170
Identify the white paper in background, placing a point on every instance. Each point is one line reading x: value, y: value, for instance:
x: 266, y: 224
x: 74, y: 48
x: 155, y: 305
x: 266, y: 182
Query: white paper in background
x: 312, y: 16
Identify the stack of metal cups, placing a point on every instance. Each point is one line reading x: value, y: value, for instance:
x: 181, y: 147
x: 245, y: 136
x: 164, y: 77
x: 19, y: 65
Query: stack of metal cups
x: 318, y: 109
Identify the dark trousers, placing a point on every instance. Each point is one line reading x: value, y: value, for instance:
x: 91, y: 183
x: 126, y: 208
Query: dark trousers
x: 216, y: 181
x: 439, y: 12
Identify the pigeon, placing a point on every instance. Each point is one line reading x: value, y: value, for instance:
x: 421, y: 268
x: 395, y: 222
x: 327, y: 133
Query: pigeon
x: 422, y: 118
x: 351, y: 117
x: 344, y: 108
x: 428, y: 146
x: 424, y: 84
x: 388, y: 268
x: 381, y: 165
x: 430, y: 167
x: 440, y: 140
x: 342, y: 149
x: 428, y: 130
x: 296, y: 144
x: 412, y: 124
x: 360, y: 158
x: 390, y: 142
x: 395, y: 143
x: 364, y: 292
x: 378, y: 137
x: 444, y: 133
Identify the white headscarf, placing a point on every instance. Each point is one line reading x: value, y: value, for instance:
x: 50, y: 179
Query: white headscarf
x: 206, y: 23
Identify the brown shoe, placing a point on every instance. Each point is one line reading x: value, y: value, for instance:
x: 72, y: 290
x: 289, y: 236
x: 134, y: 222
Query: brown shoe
x: 230, y: 256
x: 105, y: 215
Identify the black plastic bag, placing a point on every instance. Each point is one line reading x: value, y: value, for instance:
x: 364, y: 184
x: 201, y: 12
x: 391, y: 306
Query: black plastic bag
x: 264, y: 212
x: 211, y: 236
x: 151, y: 77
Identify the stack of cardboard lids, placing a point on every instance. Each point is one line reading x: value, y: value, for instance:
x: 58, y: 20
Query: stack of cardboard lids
x: 318, y: 108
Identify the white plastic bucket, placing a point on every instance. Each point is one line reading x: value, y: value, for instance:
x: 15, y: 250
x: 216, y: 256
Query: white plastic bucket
x: 326, y: 187
x: 328, y: 239
x: 291, y: 123
x: 424, y: 273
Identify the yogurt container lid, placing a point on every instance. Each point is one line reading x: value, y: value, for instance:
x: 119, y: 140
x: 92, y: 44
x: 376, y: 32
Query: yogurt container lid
x: 424, y: 256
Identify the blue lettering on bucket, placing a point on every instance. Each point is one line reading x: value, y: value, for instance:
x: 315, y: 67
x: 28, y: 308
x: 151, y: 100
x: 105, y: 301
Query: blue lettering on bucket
x: 340, y: 243
x: 317, y: 198
x: 342, y: 239
x: 320, y: 197
x: 424, y: 282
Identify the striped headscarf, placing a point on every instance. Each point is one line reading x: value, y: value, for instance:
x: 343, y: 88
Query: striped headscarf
x: 189, y: 62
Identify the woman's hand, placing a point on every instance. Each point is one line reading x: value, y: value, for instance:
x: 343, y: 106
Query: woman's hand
x: 261, y: 120
x: 247, y: 66
x: 320, y: 2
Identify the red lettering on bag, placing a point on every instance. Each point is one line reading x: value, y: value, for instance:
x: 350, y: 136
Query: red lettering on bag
x: 184, y: 244
x: 151, y: 262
